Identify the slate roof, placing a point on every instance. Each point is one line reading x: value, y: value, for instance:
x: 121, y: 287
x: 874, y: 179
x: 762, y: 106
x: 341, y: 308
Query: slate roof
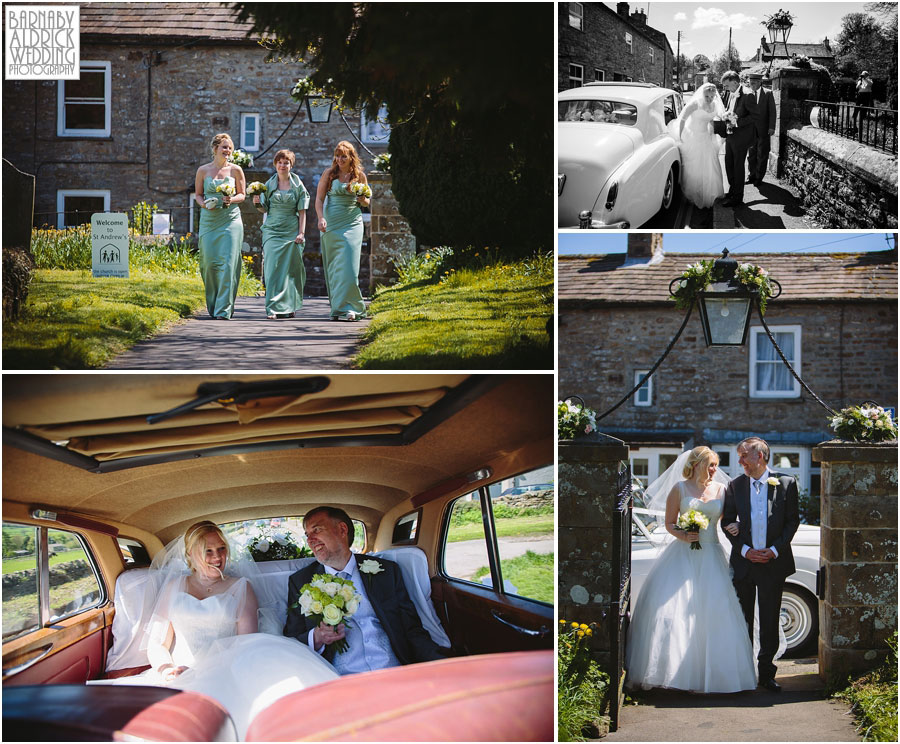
x: 810, y: 50
x: 598, y: 280
x: 174, y: 21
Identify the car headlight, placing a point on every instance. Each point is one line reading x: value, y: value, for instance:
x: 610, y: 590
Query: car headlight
x: 612, y: 195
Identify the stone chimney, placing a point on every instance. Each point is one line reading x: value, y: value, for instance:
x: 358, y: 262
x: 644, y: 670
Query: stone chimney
x: 639, y: 16
x: 827, y: 44
x: 644, y: 248
x: 622, y: 9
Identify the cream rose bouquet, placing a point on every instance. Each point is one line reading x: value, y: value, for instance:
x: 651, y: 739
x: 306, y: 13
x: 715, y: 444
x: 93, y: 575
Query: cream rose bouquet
x: 225, y: 188
x: 358, y: 189
x: 329, y: 599
x: 257, y: 187
x: 693, y: 521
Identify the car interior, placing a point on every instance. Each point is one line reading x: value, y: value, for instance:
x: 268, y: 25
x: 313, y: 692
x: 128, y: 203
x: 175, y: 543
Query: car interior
x: 450, y: 475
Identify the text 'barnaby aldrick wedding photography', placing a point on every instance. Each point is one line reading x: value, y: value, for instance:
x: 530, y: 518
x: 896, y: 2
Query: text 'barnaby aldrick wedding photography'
x: 42, y: 42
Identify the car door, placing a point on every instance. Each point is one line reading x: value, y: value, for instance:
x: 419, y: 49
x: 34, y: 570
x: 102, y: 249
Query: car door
x: 495, y: 585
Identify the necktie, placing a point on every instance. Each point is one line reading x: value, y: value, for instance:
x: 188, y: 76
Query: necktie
x: 757, y: 96
x: 345, y: 575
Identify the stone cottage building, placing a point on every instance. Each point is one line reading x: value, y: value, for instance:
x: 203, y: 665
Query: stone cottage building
x: 821, y: 53
x: 597, y: 43
x: 158, y: 80
x: 836, y: 320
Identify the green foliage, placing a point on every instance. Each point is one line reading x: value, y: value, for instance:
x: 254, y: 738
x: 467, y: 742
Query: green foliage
x: 582, y: 686
x: 810, y: 508
x: 142, y: 218
x: 18, y: 268
x: 865, y: 423
x: 470, y: 150
x: 531, y: 574
x: 421, y: 266
x: 382, y: 162
x: 866, y: 42
x: 873, y: 699
x: 469, y: 512
x: 574, y: 420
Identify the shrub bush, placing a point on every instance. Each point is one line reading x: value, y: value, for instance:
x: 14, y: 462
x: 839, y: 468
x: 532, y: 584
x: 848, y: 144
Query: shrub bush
x: 18, y: 268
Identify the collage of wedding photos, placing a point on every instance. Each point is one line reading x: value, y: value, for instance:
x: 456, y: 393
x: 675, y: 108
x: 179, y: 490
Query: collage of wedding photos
x: 323, y: 420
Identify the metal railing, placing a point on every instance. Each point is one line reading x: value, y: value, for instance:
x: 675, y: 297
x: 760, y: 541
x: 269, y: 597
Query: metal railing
x: 875, y: 127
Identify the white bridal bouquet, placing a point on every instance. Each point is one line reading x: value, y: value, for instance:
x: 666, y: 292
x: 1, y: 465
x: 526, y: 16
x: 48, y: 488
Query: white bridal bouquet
x: 329, y: 599
x: 693, y: 521
x: 359, y: 189
x: 256, y: 187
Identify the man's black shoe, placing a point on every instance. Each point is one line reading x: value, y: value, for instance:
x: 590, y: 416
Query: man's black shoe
x: 751, y: 180
x: 770, y: 684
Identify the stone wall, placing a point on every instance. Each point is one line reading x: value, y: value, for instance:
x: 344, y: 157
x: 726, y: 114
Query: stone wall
x: 858, y: 613
x: 849, y: 354
x: 391, y: 237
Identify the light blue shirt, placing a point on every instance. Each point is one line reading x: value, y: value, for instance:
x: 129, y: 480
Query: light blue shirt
x: 370, y: 648
x: 759, y: 513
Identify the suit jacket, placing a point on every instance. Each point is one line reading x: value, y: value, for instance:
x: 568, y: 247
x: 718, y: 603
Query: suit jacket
x: 763, y: 113
x: 391, y: 603
x: 743, y: 132
x: 783, y: 520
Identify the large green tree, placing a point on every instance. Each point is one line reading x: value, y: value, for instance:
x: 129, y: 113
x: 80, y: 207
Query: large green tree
x: 466, y: 86
x: 869, y: 42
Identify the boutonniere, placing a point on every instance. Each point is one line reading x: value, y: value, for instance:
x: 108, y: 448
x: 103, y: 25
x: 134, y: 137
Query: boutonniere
x: 772, y: 481
x: 370, y: 568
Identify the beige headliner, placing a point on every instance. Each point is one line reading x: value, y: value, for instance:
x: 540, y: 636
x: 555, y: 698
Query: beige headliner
x: 508, y: 425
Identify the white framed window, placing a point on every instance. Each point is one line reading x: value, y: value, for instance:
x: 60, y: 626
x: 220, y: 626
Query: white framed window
x: 648, y: 463
x: 769, y: 377
x: 629, y: 43
x: 250, y: 132
x: 652, y: 57
x: 792, y: 459
x: 84, y: 106
x: 375, y: 131
x: 643, y: 396
x: 576, y: 75
x: 599, y: 75
x: 576, y: 15
x: 75, y: 206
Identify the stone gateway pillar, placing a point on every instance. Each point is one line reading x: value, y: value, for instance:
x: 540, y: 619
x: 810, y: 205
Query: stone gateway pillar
x: 858, y: 564
x: 391, y: 237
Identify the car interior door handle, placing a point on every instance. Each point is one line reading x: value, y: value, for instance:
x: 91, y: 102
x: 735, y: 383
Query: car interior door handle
x: 539, y: 633
x: 42, y: 652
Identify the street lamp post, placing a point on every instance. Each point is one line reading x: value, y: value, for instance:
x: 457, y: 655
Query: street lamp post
x: 318, y: 108
x: 778, y: 27
x: 725, y: 306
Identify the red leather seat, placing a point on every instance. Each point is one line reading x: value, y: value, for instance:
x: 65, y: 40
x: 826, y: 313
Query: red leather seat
x: 491, y: 697
x: 107, y: 713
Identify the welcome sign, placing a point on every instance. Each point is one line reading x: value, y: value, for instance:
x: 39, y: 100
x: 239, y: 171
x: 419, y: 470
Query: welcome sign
x: 42, y: 42
x: 109, y: 245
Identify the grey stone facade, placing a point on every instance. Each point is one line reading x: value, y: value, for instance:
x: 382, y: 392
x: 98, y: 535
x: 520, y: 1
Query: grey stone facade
x: 391, y: 237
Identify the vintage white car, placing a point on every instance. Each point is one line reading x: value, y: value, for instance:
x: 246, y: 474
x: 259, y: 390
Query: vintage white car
x: 618, y: 162
x: 799, y: 607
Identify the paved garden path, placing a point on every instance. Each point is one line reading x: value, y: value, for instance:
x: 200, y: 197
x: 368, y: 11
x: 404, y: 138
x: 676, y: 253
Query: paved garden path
x: 799, y: 712
x: 250, y: 341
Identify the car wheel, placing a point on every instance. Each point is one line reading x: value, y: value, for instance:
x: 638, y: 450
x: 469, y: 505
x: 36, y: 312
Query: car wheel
x: 800, y: 621
x: 669, y: 189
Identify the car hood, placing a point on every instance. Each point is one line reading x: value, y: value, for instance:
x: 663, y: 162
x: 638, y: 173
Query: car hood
x: 807, y: 534
x: 588, y: 153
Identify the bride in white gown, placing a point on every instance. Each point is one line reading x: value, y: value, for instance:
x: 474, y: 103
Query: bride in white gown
x: 687, y: 630
x: 201, y: 633
x: 701, y: 172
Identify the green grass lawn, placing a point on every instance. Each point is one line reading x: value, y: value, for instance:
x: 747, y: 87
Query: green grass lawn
x: 873, y: 698
x: 21, y: 564
x: 531, y: 574
x: 489, y: 318
x: 541, y: 524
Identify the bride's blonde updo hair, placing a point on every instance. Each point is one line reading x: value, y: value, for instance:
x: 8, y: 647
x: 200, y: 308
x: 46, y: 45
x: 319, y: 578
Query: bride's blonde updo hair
x: 702, y: 455
x: 199, y: 532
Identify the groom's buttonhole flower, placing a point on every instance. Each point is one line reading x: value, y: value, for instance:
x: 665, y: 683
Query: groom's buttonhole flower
x: 772, y: 481
x: 371, y: 567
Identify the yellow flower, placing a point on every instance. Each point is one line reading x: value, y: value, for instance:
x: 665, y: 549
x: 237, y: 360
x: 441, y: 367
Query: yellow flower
x: 580, y: 634
x: 562, y: 622
x: 583, y: 626
x: 589, y: 632
x: 574, y: 625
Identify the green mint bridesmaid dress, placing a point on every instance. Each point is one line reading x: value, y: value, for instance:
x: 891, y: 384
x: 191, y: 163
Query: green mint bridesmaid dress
x: 341, y: 248
x: 221, y: 237
x: 283, y: 268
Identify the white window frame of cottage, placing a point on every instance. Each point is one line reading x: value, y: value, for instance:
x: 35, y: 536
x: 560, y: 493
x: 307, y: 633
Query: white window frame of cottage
x: 576, y: 80
x: 652, y: 58
x: 796, y: 362
x: 646, y: 388
x: 599, y: 75
x: 61, y: 129
x: 257, y: 118
x: 377, y: 131
x: 578, y: 16
x: 803, y: 472
x: 629, y: 42
x: 61, y: 195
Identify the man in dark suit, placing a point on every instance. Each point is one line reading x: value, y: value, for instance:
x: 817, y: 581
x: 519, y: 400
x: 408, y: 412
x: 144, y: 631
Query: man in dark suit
x: 762, y: 107
x: 765, y: 507
x: 385, y: 631
x: 738, y: 141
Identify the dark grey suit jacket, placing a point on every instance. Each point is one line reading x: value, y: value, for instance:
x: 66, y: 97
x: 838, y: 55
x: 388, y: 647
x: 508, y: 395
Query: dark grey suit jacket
x: 391, y: 603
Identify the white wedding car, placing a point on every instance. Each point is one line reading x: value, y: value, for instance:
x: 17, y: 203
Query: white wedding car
x: 799, y: 606
x: 618, y: 162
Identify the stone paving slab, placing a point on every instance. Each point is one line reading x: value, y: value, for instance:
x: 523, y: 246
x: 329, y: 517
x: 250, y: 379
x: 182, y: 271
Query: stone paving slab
x: 799, y: 713
x: 250, y: 341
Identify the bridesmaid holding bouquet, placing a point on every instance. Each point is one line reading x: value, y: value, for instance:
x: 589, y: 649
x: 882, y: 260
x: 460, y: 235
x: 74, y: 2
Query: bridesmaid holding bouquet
x: 342, y: 189
x: 219, y: 189
x: 284, y: 199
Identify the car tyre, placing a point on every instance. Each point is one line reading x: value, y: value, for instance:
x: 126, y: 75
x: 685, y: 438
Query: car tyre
x: 800, y: 621
x: 669, y: 189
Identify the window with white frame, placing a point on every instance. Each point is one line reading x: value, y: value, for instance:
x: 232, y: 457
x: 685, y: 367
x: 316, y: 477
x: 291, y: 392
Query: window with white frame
x: 375, y: 131
x: 576, y: 75
x: 84, y: 106
x: 643, y: 396
x: 250, y: 132
x: 599, y: 75
x: 652, y: 58
x: 629, y: 43
x: 576, y: 15
x: 769, y: 377
x: 648, y: 463
x: 75, y: 206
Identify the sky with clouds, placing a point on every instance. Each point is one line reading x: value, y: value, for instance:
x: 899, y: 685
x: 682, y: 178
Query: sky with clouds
x: 742, y: 242
x: 704, y: 26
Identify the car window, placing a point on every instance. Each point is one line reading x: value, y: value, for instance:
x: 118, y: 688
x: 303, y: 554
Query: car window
x: 670, y: 111
x: 406, y: 529
x: 465, y: 547
x: 133, y: 552
x: 20, y: 594
x: 605, y: 112
x: 74, y: 585
x: 265, y: 533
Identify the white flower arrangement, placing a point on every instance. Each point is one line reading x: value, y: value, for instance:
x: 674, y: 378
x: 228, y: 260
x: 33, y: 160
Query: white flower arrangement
x: 574, y: 421
x: 359, y: 189
x: 225, y: 188
x: 241, y: 158
x: 693, y: 521
x: 329, y: 599
x: 865, y: 423
x: 270, y: 545
x: 382, y: 163
x: 256, y: 187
